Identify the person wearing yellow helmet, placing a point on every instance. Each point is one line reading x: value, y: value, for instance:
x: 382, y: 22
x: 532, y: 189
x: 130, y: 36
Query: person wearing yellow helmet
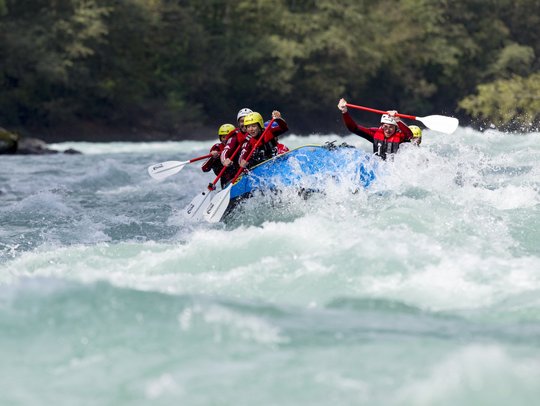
x: 417, y: 134
x: 386, y: 138
x: 214, y: 163
x: 224, y: 131
x: 268, y: 146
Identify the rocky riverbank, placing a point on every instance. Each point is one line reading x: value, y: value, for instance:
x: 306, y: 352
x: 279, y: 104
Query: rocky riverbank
x: 13, y: 144
x: 32, y: 141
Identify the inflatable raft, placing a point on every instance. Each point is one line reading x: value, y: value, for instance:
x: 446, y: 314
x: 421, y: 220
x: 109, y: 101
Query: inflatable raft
x: 307, y: 167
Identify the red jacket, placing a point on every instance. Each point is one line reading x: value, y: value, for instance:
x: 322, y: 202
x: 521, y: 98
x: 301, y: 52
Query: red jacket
x: 234, y: 138
x: 214, y: 163
x: 381, y: 145
x: 268, y: 146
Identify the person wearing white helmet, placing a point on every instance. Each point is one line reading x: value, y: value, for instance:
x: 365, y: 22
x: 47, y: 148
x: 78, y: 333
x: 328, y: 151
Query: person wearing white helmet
x: 386, y: 138
x: 241, y: 114
x: 235, y: 138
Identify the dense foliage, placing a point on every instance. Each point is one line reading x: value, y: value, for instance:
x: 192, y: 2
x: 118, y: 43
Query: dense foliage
x: 164, y: 63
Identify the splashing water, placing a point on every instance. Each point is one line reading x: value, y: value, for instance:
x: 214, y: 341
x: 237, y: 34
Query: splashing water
x: 422, y: 289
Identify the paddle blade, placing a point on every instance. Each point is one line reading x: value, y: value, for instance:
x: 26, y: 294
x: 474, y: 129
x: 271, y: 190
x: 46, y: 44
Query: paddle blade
x: 218, y: 206
x: 196, y: 208
x: 442, y: 124
x: 165, y: 169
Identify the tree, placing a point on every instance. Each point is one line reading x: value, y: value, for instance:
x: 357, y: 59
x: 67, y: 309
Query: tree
x: 508, y: 103
x: 43, y: 47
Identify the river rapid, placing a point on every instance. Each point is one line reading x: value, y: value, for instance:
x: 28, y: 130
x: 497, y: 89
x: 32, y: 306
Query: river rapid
x: 423, y: 289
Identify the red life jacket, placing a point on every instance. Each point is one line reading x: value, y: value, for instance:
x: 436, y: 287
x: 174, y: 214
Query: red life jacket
x: 268, y: 146
x: 381, y: 145
x: 396, y: 137
x: 234, y: 138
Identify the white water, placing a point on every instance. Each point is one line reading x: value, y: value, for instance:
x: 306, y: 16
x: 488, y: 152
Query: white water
x: 423, y: 289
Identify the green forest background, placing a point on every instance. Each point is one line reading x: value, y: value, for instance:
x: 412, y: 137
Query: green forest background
x: 178, y: 68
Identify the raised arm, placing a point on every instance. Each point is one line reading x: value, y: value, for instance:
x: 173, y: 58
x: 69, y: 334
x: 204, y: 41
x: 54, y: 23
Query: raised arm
x: 351, y: 125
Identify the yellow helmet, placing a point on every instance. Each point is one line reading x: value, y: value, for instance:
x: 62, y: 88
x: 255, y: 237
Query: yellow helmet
x: 416, y: 131
x: 254, y: 118
x: 224, y: 130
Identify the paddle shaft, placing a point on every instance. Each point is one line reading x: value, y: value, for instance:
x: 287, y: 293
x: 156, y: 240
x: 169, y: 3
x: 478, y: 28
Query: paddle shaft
x: 180, y: 163
x: 354, y: 106
x: 212, y: 186
x: 199, y: 158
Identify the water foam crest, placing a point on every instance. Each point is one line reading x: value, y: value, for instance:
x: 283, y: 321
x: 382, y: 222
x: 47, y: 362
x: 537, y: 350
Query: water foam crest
x: 476, y: 374
x: 228, y: 324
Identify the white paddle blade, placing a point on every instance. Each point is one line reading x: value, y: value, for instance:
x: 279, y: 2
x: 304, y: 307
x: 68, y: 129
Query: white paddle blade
x: 165, y: 169
x: 442, y: 124
x: 218, y: 206
x: 195, y: 209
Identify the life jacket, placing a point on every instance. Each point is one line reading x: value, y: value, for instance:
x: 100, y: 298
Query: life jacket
x: 264, y: 152
x: 234, y: 138
x: 383, y: 146
x: 269, y: 147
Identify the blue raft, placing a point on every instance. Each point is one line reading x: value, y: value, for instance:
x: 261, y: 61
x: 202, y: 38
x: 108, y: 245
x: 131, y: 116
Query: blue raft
x: 307, y: 167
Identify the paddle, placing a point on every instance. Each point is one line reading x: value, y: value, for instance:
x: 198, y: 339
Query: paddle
x: 165, y: 169
x: 442, y: 124
x: 221, y: 200
x: 198, y: 205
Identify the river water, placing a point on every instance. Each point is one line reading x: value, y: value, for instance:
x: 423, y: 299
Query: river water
x: 423, y: 289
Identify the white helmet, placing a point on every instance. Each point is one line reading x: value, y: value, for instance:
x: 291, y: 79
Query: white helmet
x: 243, y: 112
x: 387, y: 119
